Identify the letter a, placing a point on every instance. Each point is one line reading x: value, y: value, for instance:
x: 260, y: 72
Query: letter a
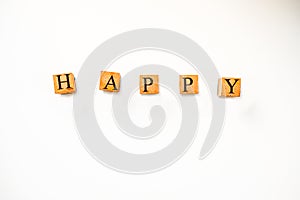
x: 110, y: 81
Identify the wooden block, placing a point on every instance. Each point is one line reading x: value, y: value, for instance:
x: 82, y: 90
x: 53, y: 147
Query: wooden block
x: 110, y: 81
x: 64, y: 83
x: 188, y: 84
x: 229, y: 87
x: 149, y: 84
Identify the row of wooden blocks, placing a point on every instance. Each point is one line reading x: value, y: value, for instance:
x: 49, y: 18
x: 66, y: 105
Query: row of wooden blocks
x: 149, y: 84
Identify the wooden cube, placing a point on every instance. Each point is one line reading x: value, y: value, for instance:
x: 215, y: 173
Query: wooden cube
x: 149, y: 84
x: 110, y: 81
x: 188, y: 84
x: 64, y: 83
x: 229, y: 87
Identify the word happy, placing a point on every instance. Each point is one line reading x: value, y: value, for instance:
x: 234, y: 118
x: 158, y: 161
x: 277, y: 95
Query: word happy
x: 149, y: 84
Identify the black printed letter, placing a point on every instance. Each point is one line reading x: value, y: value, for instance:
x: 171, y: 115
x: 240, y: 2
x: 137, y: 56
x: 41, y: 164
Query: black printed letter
x: 147, y: 84
x: 113, y: 83
x: 231, y: 86
x: 60, y: 82
x: 185, y: 83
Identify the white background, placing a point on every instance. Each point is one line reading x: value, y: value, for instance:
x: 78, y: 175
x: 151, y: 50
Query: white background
x: 257, y: 157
